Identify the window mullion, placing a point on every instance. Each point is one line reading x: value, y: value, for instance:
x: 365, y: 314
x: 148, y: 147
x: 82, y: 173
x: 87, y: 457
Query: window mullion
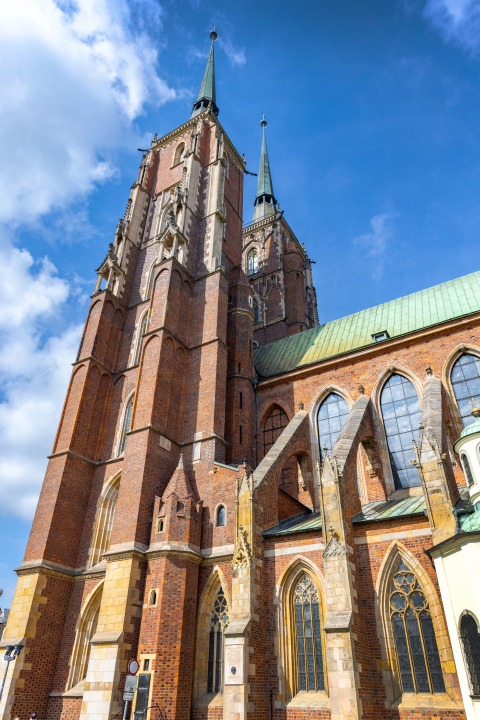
x: 305, y: 647
x: 427, y: 664
x: 410, y: 654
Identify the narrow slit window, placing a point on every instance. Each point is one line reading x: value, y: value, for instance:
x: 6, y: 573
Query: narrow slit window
x: 127, y: 419
x: 467, y: 470
x: 221, y: 516
x: 241, y: 400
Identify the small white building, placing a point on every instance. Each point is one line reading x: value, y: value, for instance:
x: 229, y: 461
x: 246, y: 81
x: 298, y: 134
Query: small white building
x: 457, y: 562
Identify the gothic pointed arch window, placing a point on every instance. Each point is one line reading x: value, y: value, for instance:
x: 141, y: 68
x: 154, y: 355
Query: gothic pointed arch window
x: 401, y: 414
x: 218, y: 623
x: 275, y: 424
x: 142, y: 330
x: 103, y: 525
x: 179, y: 153
x: 256, y: 314
x: 470, y: 639
x: 252, y: 262
x: 310, y: 672
x: 331, y: 418
x: 418, y: 659
x: 125, y: 426
x: 465, y: 377
x: 86, y: 629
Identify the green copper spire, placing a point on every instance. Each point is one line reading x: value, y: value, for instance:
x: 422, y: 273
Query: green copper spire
x: 265, y: 200
x: 207, y: 88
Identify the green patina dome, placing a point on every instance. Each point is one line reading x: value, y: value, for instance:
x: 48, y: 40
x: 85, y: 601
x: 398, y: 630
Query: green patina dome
x: 470, y: 429
x: 472, y: 523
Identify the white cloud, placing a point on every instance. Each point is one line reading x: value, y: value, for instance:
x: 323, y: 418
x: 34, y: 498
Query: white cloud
x: 35, y: 365
x: 236, y: 56
x: 458, y: 21
x: 377, y: 242
x: 74, y: 75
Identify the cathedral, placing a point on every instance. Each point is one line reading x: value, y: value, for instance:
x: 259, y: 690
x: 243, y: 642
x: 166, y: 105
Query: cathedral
x: 276, y: 518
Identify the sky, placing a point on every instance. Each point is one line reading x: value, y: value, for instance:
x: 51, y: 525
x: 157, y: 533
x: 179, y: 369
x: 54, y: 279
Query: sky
x: 374, y: 147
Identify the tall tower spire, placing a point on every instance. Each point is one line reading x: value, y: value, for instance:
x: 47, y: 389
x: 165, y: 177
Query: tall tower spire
x: 207, y: 88
x: 265, y: 200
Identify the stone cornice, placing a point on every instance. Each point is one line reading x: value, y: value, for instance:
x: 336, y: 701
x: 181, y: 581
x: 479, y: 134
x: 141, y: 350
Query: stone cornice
x: 172, y: 549
x: 71, y: 452
x: 453, y: 543
x: 51, y: 569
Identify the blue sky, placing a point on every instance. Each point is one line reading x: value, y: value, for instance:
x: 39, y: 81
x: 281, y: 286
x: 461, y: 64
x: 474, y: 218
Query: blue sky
x: 374, y: 147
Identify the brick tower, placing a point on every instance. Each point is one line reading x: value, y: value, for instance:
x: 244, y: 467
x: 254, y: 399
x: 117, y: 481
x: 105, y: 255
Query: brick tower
x: 278, y: 267
x: 157, y: 405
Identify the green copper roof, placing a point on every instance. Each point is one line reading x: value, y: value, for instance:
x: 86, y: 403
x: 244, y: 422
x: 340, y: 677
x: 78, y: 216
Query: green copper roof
x: 379, y: 510
x: 469, y: 430
x: 389, y: 509
x: 472, y: 523
x: 207, y: 88
x: 306, y: 522
x: 423, y: 309
x: 264, y: 199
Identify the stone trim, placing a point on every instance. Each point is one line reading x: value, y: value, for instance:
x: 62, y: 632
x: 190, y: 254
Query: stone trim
x: 398, y: 535
x: 294, y: 550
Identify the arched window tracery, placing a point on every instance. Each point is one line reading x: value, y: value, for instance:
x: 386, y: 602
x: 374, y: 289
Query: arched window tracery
x: 86, y: 629
x: 401, y: 416
x: 102, y: 529
x: 252, y: 262
x: 470, y: 639
x: 218, y: 623
x: 465, y: 377
x: 255, y: 313
x: 417, y: 652
x: 275, y: 424
x: 311, y: 675
x: 331, y: 418
x: 127, y: 420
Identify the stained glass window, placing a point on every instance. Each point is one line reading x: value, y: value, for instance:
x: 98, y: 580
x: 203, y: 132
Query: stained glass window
x: 470, y: 638
x: 331, y: 419
x: 309, y: 636
x: 275, y: 424
x: 402, y: 416
x: 466, y: 385
x: 417, y: 651
x: 218, y: 623
x: 127, y: 419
